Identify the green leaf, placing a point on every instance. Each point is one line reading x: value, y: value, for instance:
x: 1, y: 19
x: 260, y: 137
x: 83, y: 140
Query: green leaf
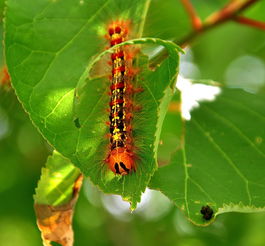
x: 92, y: 149
x: 49, y: 46
x: 221, y: 163
x: 171, y: 133
x: 57, y: 181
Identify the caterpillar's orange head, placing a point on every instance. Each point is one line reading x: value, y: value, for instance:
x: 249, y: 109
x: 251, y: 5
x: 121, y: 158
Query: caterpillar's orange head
x: 118, y: 29
x: 121, y: 161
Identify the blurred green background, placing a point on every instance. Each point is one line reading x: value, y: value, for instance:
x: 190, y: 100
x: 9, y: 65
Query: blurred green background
x: 231, y: 54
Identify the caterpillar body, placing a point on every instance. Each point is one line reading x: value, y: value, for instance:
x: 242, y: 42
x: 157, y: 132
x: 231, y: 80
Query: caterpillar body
x: 120, y: 159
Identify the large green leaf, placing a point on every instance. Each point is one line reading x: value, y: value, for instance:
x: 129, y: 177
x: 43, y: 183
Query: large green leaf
x: 91, y: 104
x: 221, y: 163
x: 49, y: 46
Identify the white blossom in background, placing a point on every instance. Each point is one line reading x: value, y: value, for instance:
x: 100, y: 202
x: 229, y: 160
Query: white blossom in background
x: 192, y: 94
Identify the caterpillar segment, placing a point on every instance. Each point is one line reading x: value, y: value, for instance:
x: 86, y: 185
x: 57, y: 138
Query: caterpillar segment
x: 120, y: 157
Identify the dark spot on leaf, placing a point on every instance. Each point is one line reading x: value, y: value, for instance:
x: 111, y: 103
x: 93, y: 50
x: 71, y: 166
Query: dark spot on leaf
x: 207, y: 212
x: 77, y: 123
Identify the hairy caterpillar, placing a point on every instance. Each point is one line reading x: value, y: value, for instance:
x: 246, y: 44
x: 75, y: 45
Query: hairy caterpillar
x: 120, y: 159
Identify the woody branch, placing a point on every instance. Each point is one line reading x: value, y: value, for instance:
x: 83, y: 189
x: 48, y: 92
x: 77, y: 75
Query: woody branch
x: 231, y: 11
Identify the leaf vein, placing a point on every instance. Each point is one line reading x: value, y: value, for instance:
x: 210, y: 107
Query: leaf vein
x: 236, y: 129
x: 226, y: 157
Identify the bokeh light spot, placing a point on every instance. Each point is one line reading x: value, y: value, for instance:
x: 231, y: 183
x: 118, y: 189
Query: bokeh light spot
x: 246, y: 72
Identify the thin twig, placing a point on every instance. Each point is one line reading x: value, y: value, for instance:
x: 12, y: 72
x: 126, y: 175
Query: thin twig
x: 195, y: 19
x: 227, y: 13
x: 249, y: 22
x: 230, y: 10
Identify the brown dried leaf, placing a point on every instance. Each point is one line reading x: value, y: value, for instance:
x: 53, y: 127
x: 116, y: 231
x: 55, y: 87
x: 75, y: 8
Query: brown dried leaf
x: 55, y: 222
